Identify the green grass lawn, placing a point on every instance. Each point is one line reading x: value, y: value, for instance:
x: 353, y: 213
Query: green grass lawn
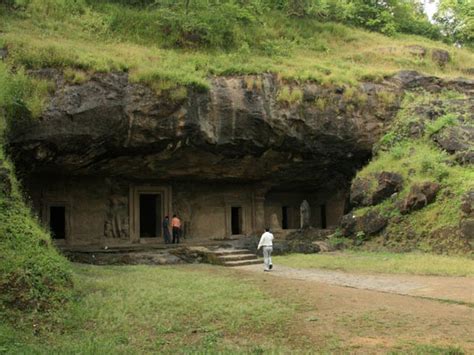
x: 212, y: 309
x: 143, y: 309
x: 392, y: 263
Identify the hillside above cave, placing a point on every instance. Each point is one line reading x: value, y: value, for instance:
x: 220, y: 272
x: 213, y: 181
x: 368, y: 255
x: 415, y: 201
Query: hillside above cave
x: 167, y: 46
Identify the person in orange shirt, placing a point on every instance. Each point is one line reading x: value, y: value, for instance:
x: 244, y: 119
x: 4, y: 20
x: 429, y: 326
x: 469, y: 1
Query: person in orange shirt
x: 176, y: 226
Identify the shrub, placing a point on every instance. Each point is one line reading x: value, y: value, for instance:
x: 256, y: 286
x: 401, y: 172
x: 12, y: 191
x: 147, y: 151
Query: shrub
x: 443, y: 121
x: 75, y: 76
x: 290, y: 95
x: 320, y: 103
x: 339, y: 242
x: 360, y: 238
x: 386, y: 97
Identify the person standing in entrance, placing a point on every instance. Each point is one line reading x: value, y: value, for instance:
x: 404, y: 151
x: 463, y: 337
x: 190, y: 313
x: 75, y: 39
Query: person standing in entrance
x: 166, y: 230
x: 176, y: 226
x: 266, y: 241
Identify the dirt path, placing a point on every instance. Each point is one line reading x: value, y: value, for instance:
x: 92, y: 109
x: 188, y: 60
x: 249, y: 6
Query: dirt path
x: 340, y: 312
x: 457, y: 289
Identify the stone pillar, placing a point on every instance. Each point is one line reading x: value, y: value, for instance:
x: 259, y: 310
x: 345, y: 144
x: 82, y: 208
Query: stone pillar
x: 259, y: 194
x: 259, y: 205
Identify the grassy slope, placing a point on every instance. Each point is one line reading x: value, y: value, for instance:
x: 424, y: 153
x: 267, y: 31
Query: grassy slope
x: 114, y: 38
x: 419, y: 160
x: 389, y: 263
x: 32, y: 273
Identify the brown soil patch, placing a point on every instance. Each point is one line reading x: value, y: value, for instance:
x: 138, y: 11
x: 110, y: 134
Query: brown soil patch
x: 341, y: 319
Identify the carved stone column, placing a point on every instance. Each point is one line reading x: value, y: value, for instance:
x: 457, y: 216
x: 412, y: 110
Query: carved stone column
x: 259, y: 213
x: 259, y: 208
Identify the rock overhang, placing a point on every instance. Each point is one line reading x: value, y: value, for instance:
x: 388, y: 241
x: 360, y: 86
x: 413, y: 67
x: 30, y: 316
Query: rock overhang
x: 112, y: 127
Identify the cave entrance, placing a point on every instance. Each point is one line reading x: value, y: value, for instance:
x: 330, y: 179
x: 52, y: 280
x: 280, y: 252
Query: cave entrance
x: 284, y: 217
x: 57, y: 222
x: 322, y: 208
x: 151, y: 210
x: 236, y: 220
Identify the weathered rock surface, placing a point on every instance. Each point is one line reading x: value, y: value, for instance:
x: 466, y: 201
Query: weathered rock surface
x: 310, y: 234
x: 236, y: 131
x: 440, y: 56
x: 417, y: 50
x: 303, y: 247
x: 467, y: 228
x: 466, y: 225
x: 370, y: 224
x: 467, y: 204
x: 388, y: 184
x: 457, y: 140
x: 364, y: 194
x: 348, y: 224
x: 111, y: 126
x: 419, y: 196
x: 361, y: 192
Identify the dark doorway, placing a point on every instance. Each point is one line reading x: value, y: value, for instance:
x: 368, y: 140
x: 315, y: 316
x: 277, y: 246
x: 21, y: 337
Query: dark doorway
x: 57, y: 222
x: 236, y: 220
x: 284, y: 217
x: 150, y: 215
x: 323, y: 216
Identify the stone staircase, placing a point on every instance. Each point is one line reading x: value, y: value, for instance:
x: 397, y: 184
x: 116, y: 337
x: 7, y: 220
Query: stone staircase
x: 235, y: 257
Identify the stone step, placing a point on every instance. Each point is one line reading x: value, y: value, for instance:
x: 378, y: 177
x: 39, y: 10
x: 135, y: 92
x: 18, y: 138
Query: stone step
x: 225, y: 252
x: 236, y: 257
x: 243, y: 262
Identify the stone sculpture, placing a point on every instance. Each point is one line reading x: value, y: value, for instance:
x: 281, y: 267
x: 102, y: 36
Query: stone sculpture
x: 305, y: 214
x: 117, y: 220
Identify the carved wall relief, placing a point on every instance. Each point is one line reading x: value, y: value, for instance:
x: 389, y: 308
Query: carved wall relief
x: 117, y: 216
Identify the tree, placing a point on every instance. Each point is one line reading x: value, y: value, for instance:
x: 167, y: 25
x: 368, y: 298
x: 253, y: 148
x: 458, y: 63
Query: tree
x: 456, y: 19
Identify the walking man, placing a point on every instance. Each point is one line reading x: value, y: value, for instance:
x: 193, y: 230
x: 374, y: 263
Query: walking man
x: 266, y: 241
x: 176, y: 226
x: 166, y: 230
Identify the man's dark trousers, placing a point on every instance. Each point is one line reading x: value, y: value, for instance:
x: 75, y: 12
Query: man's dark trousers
x: 176, y: 232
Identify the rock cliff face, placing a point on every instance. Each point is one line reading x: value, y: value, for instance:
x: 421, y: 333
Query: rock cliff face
x: 246, y: 128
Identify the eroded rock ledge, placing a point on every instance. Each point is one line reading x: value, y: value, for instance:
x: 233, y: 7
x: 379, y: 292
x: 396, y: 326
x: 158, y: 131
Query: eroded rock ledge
x: 243, y: 129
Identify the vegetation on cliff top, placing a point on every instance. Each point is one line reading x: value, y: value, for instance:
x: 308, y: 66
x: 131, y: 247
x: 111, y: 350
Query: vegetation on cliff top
x: 32, y: 274
x: 166, y: 43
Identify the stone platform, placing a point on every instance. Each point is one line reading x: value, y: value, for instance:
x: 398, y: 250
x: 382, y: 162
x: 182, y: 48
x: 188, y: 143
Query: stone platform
x: 220, y: 252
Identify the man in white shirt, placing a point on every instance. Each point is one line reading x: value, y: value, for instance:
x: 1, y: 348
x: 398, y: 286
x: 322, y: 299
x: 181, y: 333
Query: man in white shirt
x: 266, y: 241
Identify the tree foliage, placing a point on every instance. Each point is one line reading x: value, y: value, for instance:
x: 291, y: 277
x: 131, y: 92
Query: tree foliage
x: 456, y: 19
